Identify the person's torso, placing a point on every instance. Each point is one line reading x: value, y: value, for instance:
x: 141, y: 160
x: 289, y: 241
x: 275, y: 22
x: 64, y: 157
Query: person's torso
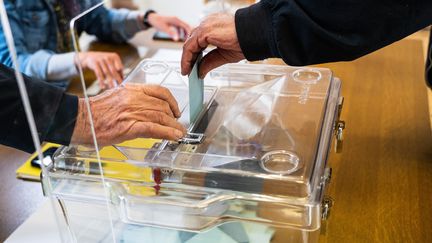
x: 45, y: 23
x: 38, y: 24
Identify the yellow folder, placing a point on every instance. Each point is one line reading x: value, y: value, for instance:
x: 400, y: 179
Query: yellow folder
x: 117, y: 170
x: 29, y: 172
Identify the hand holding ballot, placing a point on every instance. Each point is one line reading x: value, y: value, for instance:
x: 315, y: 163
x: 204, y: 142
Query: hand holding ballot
x: 218, y: 30
x: 129, y: 111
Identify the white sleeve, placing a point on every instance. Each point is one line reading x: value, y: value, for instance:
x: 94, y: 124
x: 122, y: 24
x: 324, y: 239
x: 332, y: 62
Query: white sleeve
x: 61, y: 66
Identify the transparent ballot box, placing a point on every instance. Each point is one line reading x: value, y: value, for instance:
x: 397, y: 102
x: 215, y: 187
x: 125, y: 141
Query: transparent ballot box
x: 253, y: 163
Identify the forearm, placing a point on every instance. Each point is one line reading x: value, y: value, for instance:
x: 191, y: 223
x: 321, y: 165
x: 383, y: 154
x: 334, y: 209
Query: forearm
x: 126, y: 23
x: 35, y: 64
x: 82, y: 131
x: 61, y: 67
x: 308, y: 32
x: 113, y: 25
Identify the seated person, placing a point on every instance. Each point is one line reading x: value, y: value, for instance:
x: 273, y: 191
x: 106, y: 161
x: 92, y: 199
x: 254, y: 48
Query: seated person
x: 44, y: 44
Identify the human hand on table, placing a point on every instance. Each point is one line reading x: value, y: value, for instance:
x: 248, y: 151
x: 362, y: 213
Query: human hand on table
x: 171, y: 25
x: 127, y: 112
x: 107, y: 67
x: 218, y: 30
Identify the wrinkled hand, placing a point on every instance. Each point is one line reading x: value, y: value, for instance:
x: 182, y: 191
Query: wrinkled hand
x: 171, y: 25
x: 129, y: 112
x: 218, y: 30
x: 107, y: 67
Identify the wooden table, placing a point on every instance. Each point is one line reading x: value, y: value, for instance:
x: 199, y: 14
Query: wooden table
x: 381, y: 182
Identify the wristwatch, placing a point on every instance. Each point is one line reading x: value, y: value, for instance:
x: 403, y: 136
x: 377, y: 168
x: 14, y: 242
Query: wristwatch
x: 146, y: 23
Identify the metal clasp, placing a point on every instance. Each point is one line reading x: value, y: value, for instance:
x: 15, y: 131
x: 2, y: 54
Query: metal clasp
x: 192, y: 138
x: 327, y: 176
x: 326, y: 205
x: 339, y: 126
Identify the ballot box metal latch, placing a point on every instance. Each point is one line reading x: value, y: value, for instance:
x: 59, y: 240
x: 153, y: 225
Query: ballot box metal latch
x: 339, y: 126
x: 192, y: 138
x: 327, y: 201
x: 326, y: 206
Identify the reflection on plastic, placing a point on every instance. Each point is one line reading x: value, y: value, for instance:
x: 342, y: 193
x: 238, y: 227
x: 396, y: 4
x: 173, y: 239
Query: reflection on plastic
x: 306, y: 77
x: 252, y: 109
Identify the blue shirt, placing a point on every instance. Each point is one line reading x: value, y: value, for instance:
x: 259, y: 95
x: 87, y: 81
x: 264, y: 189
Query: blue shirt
x: 34, y: 25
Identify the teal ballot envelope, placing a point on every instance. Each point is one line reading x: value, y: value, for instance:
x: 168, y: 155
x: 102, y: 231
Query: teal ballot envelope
x: 196, y: 92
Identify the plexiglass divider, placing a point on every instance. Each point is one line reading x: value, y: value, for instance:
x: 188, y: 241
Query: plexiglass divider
x: 61, y: 210
x: 110, y: 215
x: 65, y: 235
x: 75, y: 34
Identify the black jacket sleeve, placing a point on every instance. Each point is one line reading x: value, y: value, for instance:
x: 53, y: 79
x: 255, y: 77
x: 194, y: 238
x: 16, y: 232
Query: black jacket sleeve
x: 304, y: 32
x: 54, y: 111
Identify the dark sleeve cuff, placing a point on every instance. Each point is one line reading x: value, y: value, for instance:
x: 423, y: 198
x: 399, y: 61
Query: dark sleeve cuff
x: 62, y: 126
x: 255, y: 32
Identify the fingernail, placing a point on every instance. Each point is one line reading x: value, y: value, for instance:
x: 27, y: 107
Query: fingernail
x: 178, y: 134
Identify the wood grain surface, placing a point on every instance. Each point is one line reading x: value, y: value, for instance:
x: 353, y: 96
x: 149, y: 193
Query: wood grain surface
x: 382, y: 181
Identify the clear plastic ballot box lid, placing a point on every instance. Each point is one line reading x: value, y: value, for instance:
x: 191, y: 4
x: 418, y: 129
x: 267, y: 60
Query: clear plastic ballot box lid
x: 256, y: 153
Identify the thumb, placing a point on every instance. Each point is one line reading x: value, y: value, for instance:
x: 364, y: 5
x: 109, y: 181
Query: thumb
x: 217, y: 57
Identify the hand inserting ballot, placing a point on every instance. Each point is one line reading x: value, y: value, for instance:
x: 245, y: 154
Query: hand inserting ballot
x: 129, y: 111
x: 218, y: 30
